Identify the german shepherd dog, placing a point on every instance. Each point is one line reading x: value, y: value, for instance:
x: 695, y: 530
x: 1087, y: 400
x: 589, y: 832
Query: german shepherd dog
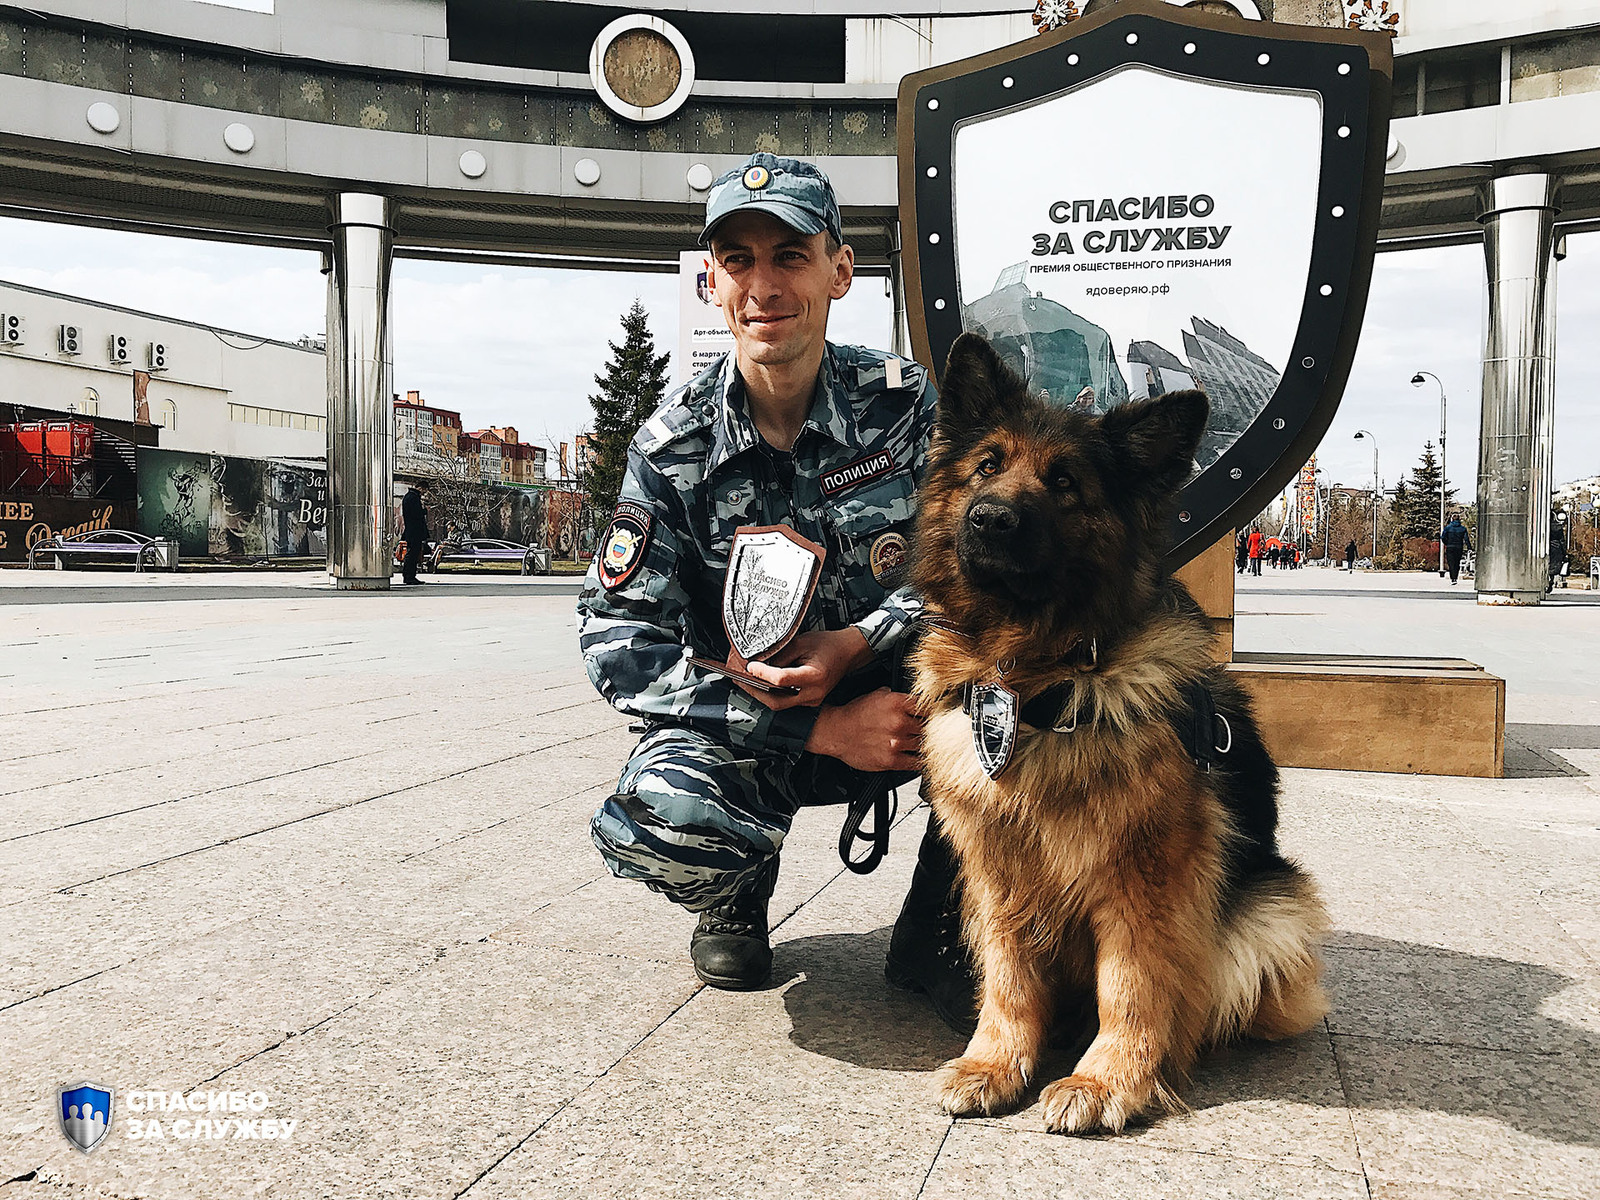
x: 1105, y: 858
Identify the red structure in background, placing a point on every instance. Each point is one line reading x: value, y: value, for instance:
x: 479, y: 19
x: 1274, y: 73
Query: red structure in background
x: 47, y: 457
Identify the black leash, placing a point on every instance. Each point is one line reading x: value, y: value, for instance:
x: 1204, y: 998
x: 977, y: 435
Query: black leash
x: 882, y: 799
x: 879, y: 794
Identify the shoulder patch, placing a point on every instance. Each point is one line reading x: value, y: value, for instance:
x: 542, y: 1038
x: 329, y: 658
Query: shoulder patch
x: 682, y: 415
x: 623, y: 547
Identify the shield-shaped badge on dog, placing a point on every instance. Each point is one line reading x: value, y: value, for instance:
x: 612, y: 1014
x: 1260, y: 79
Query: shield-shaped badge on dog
x: 1151, y: 199
x: 85, y: 1111
x: 994, y: 726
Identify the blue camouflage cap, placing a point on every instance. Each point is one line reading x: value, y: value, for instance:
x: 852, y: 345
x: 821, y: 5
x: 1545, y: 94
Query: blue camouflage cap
x: 794, y: 191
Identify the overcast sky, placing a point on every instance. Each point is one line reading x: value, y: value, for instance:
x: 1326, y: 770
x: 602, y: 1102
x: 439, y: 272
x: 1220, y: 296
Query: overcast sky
x: 519, y: 346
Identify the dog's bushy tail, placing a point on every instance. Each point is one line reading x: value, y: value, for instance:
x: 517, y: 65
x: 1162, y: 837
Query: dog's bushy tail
x: 1267, y: 977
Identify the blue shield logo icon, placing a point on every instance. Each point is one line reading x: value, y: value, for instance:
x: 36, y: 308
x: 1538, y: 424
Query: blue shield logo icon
x: 85, y: 1114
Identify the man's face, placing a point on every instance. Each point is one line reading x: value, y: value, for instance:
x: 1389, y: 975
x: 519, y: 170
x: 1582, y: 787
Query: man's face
x: 774, y: 286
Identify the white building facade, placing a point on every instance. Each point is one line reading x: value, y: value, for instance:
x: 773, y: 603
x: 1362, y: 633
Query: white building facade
x: 211, y: 391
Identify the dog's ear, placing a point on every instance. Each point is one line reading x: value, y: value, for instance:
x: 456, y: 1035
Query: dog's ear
x: 978, y: 388
x: 1156, y: 439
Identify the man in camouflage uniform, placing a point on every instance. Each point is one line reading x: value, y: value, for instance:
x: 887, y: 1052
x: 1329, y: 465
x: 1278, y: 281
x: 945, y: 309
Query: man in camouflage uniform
x: 789, y: 429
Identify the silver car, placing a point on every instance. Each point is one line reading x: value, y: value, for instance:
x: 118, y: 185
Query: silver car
x: 486, y: 552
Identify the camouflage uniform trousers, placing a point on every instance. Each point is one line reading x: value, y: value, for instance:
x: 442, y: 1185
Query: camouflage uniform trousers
x: 697, y: 819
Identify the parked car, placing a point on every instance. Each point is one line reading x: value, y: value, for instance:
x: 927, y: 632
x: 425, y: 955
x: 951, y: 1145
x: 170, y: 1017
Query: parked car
x: 484, y: 552
x: 106, y: 546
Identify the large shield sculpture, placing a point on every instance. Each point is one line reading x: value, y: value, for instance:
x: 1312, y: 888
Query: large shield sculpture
x: 1152, y: 199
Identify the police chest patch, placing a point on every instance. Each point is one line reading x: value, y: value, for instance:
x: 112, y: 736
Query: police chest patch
x: 859, y: 471
x: 622, y: 549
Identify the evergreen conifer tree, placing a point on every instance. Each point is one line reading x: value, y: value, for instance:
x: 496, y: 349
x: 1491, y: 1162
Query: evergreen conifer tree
x: 1419, y: 511
x: 631, y: 388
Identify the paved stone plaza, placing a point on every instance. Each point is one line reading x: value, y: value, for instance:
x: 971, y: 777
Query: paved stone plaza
x: 258, y: 836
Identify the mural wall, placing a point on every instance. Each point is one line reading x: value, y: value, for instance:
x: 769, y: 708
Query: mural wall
x: 213, y: 505
x: 532, y: 516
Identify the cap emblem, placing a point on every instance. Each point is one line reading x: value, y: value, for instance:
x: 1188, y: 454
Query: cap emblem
x: 756, y: 178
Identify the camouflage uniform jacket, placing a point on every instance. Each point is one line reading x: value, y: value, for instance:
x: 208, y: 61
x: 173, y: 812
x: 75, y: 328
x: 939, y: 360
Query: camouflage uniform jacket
x: 699, y: 470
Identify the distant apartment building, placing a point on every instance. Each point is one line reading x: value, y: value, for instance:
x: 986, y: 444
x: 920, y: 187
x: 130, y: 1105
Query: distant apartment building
x: 425, y: 437
x: 204, y: 389
x: 520, y: 462
x: 489, y: 447
x: 503, y: 457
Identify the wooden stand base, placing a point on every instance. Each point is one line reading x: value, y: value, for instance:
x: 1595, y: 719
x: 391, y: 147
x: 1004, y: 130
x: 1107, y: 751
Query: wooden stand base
x: 1403, y: 715
x: 1352, y: 713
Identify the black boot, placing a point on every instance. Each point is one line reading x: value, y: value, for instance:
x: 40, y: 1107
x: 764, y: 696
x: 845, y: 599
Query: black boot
x: 730, y: 948
x: 926, y: 953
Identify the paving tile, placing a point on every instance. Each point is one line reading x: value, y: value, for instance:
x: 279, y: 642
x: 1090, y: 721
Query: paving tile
x: 1460, y: 999
x: 352, y: 865
x: 1498, y: 1122
x: 1269, y: 1102
x: 419, y: 1089
x: 817, y: 1086
x: 1412, y: 1189
x: 981, y: 1160
x: 1410, y: 872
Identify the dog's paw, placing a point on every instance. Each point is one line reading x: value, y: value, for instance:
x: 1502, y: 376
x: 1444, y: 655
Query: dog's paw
x: 1082, y: 1104
x: 970, y: 1087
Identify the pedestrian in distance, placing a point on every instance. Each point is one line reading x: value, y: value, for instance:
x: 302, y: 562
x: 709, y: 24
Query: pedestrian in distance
x: 1274, y: 557
x: 1457, y: 541
x: 414, y: 532
x: 1254, y: 551
x: 831, y: 440
x: 1558, y: 553
x: 1241, y: 553
x: 1350, y: 556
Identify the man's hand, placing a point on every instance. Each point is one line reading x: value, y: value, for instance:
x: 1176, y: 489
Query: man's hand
x: 879, y: 732
x: 815, y: 663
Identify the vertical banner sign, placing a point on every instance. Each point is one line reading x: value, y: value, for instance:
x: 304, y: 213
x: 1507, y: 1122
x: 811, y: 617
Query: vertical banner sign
x: 1150, y: 199
x: 1308, y: 496
x: 703, y: 335
x: 141, y: 405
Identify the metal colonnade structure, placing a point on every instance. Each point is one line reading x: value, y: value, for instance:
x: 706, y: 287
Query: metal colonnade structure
x: 363, y: 129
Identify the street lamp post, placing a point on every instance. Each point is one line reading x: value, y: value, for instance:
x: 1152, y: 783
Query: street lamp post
x: 1377, y: 491
x: 1416, y: 381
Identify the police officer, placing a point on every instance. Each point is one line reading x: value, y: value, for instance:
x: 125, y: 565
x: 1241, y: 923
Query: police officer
x: 787, y: 429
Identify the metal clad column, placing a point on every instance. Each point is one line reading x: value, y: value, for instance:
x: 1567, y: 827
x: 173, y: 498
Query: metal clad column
x: 360, y: 416
x: 899, y: 338
x: 1514, y: 448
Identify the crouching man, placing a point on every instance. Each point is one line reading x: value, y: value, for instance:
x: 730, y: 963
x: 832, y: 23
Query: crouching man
x: 831, y: 441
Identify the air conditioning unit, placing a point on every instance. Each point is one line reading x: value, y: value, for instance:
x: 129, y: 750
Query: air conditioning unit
x: 118, y: 350
x: 155, y: 355
x: 71, y: 339
x: 11, y: 330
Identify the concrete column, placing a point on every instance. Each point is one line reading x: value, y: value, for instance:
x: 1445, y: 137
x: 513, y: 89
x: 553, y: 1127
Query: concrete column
x: 360, y: 376
x: 1517, y: 431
